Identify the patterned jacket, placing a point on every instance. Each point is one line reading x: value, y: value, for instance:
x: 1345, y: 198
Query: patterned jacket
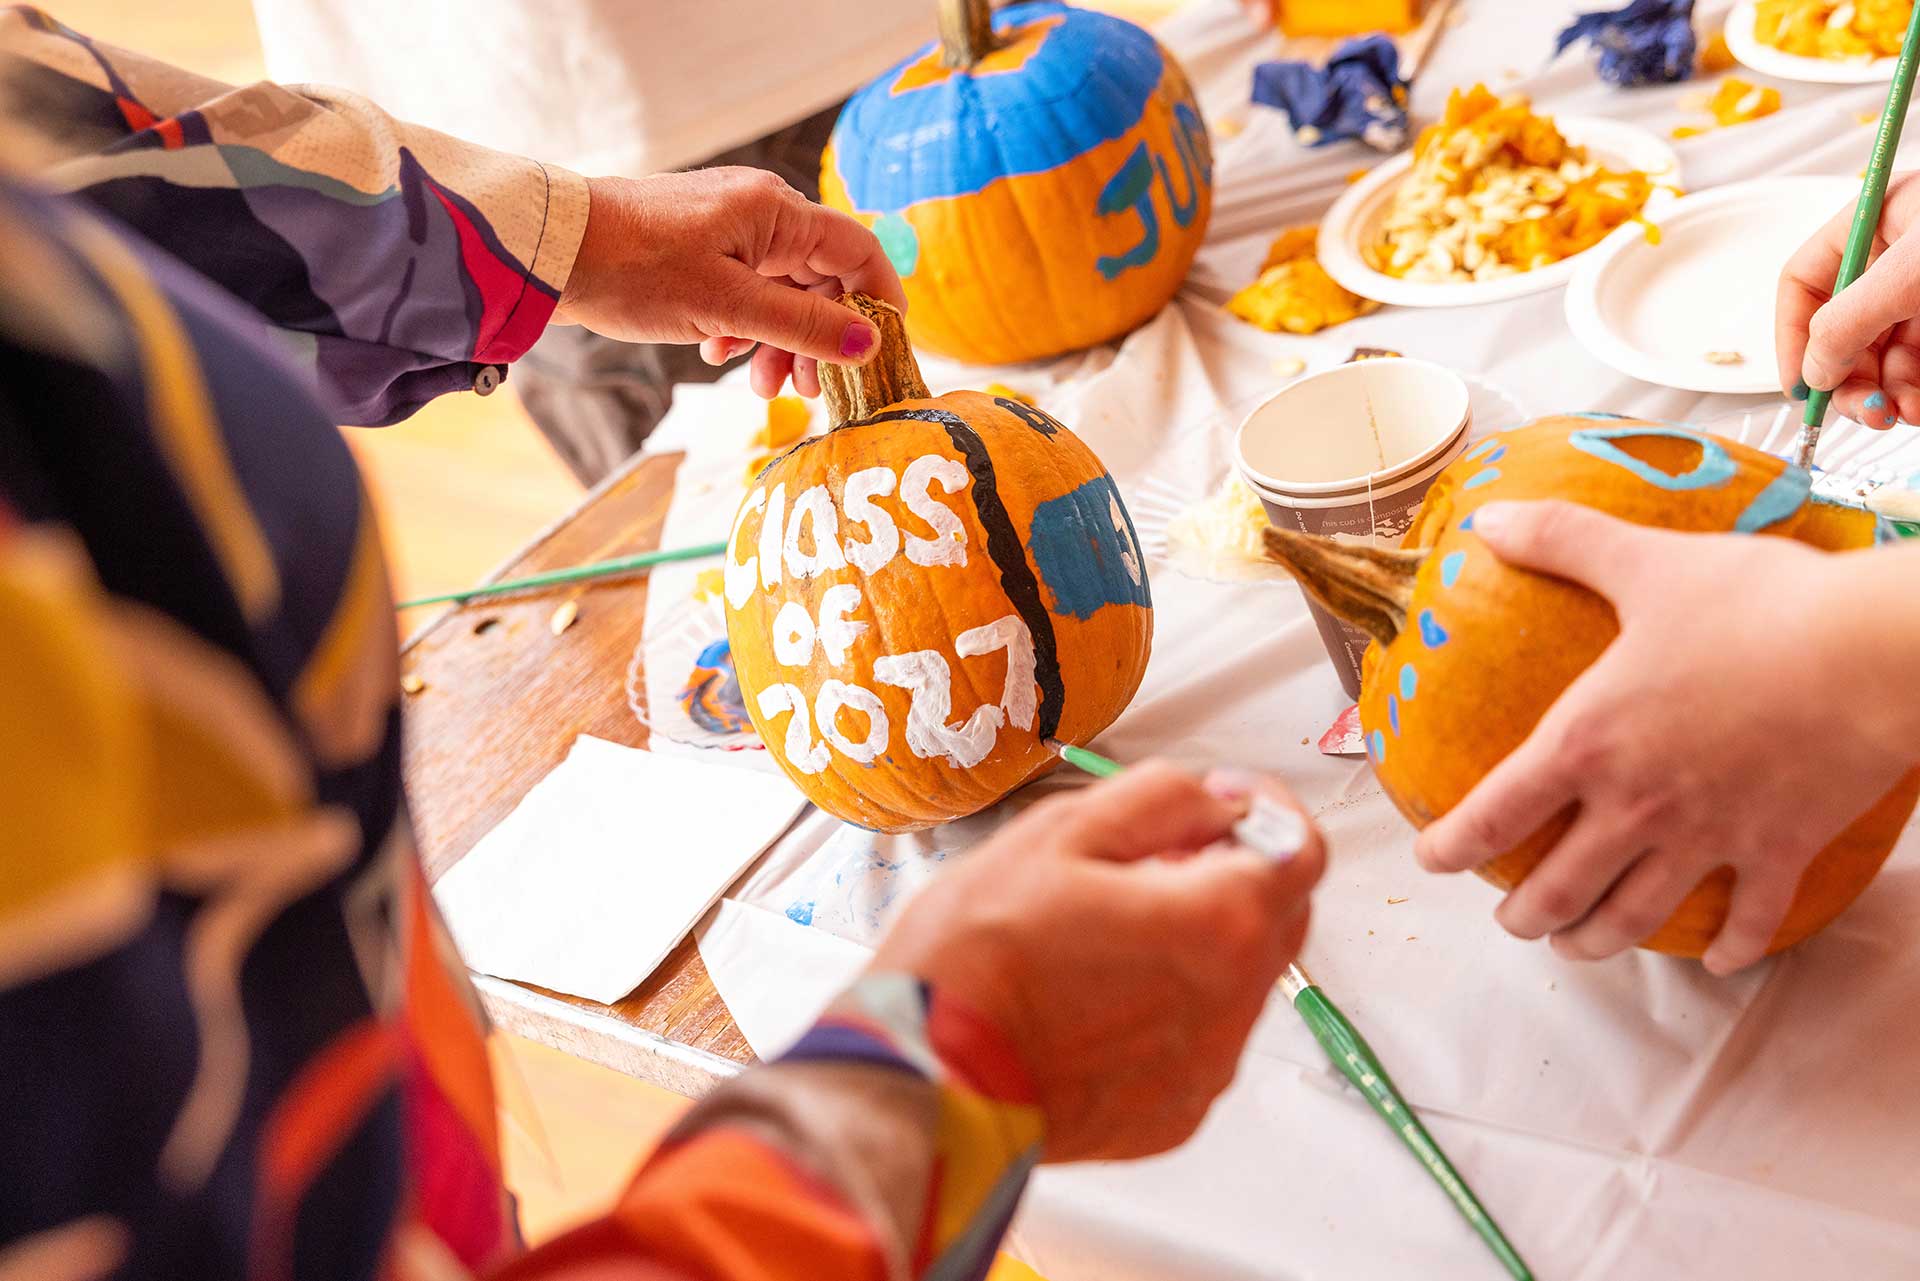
x: 235, y: 1040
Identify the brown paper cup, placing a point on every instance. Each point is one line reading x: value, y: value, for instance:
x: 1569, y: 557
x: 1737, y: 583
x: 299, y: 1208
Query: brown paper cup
x: 1313, y: 453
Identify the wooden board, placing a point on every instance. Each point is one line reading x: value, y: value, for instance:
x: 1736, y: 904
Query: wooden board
x: 503, y: 701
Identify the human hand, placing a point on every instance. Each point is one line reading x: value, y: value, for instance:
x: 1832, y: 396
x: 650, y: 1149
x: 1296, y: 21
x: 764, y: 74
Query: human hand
x: 1864, y: 346
x: 728, y: 258
x: 1125, y: 968
x: 1725, y: 725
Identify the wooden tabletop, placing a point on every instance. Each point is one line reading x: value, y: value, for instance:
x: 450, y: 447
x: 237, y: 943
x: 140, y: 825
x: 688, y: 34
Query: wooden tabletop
x: 500, y: 702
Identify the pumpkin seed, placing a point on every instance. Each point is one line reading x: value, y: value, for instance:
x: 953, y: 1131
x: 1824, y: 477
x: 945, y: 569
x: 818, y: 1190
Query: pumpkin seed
x: 411, y: 683
x: 1725, y: 358
x: 563, y: 617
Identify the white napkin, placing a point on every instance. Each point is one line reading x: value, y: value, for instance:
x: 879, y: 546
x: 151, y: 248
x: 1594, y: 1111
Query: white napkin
x: 606, y: 864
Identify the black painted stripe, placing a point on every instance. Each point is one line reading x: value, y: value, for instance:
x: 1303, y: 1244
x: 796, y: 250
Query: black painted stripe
x: 1009, y: 555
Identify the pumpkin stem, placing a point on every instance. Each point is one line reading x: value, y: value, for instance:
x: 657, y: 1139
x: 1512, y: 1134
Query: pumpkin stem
x: 966, y: 32
x: 854, y: 392
x: 1370, y: 587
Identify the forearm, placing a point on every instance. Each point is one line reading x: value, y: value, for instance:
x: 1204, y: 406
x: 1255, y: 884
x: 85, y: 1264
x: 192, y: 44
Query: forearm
x: 894, y: 1139
x: 1879, y: 599
x: 401, y: 262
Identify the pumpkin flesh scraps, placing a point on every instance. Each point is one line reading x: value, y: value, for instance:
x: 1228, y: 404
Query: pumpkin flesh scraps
x: 1839, y: 30
x: 1496, y: 190
x: 1294, y: 293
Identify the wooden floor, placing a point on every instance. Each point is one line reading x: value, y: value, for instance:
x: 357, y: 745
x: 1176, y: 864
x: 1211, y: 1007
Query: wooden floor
x: 459, y: 487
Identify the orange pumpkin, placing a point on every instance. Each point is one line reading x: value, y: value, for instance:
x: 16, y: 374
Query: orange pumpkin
x: 920, y: 597
x: 1040, y: 177
x: 1469, y: 652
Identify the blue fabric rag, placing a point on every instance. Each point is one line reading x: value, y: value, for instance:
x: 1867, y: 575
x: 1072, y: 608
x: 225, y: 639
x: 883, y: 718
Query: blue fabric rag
x: 1647, y: 43
x: 1358, y: 94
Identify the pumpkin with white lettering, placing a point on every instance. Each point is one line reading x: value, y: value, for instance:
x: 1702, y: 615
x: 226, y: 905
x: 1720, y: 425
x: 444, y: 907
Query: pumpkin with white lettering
x: 1470, y: 652
x: 923, y: 595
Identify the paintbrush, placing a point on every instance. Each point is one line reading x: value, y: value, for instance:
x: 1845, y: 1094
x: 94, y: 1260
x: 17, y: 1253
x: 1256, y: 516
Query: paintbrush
x: 1279, y: 833
x: 1866, y: 215
x: 599, y: 569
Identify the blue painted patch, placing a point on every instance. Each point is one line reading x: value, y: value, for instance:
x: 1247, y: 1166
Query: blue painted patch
x: 1497, y: 454
x: 1430, y: 630
x: 900, y: 240
x: 1467, y: 523
x: 1409, y: 682
x: 1451, y: 566
x: 1480, y: 478
x: 1783, y: 496
x: 1876, y: 400
x: 1393, y: 714
x: 1087, y: 83
x: 801, y: 913
x: 1492, y: 442
x: 1377, y: 746
x: 1086, y: 552
x: 1714, y: 468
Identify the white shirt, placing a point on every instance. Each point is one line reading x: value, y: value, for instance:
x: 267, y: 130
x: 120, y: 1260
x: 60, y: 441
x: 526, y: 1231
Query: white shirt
x: 600, y: 86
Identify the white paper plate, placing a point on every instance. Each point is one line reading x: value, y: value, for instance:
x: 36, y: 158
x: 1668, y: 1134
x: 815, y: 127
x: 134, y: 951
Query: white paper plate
x: 1653, y: 312
x: 1768, y: 61
x: 1353, y: 221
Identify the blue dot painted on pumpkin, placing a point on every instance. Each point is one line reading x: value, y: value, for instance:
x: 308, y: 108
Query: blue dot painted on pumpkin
x: 1409, y: 682
x: 1393, y: 714
x: 1468, y: 522
x: 1451, y: 566
x: 901, y: 242
x: 1480, y: 478
x: 1492, y: 442
x: 1496, y: 455
x: 1377, y: 745
x: 1430, y: 630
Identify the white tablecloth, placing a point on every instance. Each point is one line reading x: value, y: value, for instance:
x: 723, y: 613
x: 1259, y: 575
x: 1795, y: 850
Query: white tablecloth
x: 1631, y: 1119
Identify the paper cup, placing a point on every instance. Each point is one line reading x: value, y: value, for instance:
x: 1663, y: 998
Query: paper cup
x: 1350, y: 453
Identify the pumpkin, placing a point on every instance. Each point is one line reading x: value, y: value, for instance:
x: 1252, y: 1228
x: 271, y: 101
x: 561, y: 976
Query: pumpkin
x: 1041, y: 179
x: 1470, y: 652
x: 924, y: 595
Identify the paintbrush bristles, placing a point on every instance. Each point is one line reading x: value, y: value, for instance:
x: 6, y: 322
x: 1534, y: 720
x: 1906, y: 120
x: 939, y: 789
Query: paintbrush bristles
x: 1370, y: 587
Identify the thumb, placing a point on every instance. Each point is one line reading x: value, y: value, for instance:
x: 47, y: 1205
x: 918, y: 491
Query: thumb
x: 1887, y: 293
x: 1570, y: 541
x: 793, y: 319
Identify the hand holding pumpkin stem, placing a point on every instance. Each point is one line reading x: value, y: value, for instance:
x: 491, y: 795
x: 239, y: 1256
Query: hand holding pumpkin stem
x: 1125, y: 966
x: 1758, y: 700
x: 729, y: 258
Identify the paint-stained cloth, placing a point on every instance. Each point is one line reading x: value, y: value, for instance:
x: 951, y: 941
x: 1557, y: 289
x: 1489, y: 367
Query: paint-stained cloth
x: 235, y: 1038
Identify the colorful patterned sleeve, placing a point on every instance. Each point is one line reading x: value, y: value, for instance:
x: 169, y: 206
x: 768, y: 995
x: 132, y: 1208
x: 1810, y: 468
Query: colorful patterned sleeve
x: 399, y: 263
x: 892, y: 1142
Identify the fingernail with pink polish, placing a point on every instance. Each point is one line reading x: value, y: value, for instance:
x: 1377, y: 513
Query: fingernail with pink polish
x: 857, y: 341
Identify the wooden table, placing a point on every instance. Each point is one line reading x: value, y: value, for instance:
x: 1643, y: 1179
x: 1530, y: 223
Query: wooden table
x: 502, y: 702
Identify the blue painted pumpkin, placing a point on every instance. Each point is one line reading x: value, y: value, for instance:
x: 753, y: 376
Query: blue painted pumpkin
x: 1038, y: 196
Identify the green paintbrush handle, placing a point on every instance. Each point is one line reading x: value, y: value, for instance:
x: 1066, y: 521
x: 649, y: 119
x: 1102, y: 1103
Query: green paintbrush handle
x: 599, y: 569
x: 1866, y: 215
x: 1352, y: 1055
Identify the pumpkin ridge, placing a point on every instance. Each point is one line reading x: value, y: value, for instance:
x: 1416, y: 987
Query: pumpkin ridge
x: 1008, y: 553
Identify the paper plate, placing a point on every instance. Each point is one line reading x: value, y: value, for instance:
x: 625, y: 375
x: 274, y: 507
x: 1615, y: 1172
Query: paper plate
x: 1769, y: 61
x: 688, y: 646
x: 1654, y: 312
x: 1353, y: 221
